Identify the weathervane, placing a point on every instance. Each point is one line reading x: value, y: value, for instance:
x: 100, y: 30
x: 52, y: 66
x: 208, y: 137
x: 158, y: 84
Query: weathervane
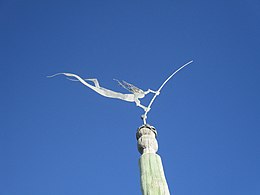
x: 135, y: 95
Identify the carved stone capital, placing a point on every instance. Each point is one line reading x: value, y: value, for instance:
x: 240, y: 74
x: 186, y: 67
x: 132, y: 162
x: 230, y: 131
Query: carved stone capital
x: 146, y: 139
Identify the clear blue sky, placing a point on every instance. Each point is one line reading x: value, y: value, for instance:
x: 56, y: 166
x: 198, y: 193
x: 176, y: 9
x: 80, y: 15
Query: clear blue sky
x: 59, y: 137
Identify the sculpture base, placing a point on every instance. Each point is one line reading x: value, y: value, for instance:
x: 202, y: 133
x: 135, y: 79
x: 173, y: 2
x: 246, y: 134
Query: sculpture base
x: 153, y: 180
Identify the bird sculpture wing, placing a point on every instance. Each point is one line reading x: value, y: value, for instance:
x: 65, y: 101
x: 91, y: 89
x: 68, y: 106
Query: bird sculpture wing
x: 129, y: 87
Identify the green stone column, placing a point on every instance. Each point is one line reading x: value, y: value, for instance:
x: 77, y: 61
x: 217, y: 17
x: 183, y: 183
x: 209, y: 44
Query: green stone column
x: 153, y: 181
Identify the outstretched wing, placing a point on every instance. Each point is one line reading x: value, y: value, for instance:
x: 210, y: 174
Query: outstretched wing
x: 129, y: 87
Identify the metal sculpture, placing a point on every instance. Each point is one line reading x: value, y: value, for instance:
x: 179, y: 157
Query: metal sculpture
x: 134, y: 96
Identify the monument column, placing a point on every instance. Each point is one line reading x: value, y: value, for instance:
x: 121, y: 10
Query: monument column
x: 153, y: 181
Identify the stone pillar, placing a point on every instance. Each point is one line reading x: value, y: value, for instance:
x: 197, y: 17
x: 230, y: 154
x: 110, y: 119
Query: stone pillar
x: 153, y: 181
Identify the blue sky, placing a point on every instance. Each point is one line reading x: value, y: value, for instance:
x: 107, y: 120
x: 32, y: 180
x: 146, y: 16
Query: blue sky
x: 59, y: 137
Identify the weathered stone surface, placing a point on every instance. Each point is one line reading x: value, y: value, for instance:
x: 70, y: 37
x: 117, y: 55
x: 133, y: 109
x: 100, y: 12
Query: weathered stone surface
x: 152, y: 176
x: 153, y: 180
x: 146, y: 139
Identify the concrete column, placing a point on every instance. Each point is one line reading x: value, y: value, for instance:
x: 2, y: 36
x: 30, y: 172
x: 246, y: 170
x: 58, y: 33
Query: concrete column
x: 153, y: 181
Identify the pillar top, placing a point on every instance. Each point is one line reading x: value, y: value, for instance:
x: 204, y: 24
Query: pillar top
x: 146, y: 139
x: 150, y: 127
